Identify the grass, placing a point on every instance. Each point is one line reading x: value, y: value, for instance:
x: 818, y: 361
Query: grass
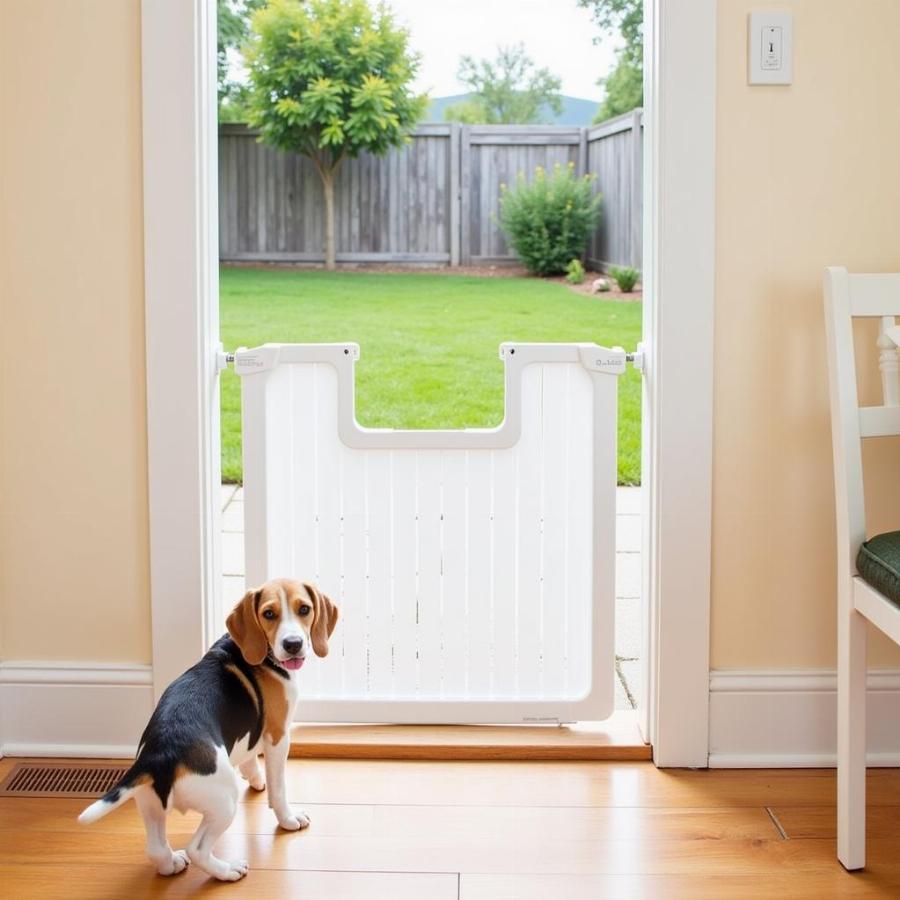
x: 428, y: 343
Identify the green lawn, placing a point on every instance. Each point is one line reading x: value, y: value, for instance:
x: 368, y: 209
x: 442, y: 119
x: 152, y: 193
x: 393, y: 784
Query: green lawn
x: 428, y: 343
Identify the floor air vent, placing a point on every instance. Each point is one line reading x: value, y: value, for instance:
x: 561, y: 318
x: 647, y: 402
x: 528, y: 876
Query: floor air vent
x: 61, y: 779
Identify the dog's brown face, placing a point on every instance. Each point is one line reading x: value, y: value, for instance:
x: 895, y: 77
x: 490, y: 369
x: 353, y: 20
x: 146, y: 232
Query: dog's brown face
x: 281, y: 620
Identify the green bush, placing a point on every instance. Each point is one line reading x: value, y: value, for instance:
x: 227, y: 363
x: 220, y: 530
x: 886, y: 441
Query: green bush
x: 549, y: 220
x: 625, y: 277
x: 575, y: 272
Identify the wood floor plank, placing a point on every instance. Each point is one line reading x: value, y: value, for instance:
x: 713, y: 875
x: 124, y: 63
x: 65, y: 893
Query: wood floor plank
x: 568, y: 784
x: 821, y: 821
x: 445, y: 822
x: 503, y: 854
x: 819, y: 886
x: 102, y: 881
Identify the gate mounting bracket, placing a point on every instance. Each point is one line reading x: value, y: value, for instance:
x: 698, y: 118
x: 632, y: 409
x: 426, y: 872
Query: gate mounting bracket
x: 223, y: 358
x: 637, y: 358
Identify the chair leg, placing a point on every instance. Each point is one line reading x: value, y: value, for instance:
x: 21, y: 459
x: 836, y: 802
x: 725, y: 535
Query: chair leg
x: 851, y: 749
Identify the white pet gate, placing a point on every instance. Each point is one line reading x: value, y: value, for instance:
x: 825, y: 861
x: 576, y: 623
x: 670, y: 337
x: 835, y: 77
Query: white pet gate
x: 475, y: 569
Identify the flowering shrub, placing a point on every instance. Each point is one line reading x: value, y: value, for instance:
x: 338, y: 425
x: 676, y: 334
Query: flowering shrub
x: 549, y: 220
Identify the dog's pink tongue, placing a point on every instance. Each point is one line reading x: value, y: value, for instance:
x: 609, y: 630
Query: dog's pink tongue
x: 292, y: 664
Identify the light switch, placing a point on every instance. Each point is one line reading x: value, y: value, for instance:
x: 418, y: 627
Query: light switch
x: 770, y: 48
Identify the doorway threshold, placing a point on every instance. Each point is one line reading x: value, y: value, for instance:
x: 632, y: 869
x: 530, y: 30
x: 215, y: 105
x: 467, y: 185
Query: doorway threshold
x: 617, y: 738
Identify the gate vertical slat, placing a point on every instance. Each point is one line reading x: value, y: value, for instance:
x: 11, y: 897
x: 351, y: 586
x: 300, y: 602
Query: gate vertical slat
x: 353, y: 568
x: 328, y: 519
x: 581, y: 532
x: 503, y: 568
x: 403, y: 567
x: 379, y: 528
x: 428, y: 587
x: 528, y: 537
x: 478, y: 554
x: 453, y: 567
x: 555, y: 596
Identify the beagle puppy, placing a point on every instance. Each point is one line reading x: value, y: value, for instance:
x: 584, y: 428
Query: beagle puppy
x: 237, y: 701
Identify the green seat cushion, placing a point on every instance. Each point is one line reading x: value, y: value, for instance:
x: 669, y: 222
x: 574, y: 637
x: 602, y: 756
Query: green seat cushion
x: 878, y: 562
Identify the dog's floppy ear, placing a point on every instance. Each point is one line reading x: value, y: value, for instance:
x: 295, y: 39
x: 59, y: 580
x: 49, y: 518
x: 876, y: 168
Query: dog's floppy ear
x: 243, y: 626
x: 325, y: 620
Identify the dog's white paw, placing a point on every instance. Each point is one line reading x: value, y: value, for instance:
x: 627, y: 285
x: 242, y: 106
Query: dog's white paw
x: 233, y: 870
x: 257, y: 782
x: 294, y: 821
x: 178, y: 863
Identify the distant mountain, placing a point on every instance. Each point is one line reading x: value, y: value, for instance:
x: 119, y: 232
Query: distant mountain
x: 575, y: 111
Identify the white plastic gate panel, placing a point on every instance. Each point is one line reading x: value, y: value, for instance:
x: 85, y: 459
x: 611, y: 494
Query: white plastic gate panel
x: 474, y: 568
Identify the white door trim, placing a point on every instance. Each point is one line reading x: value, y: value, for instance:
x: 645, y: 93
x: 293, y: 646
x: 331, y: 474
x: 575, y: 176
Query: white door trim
x: 181, y: 301
x: 679, y: 292
x: 182, y: 328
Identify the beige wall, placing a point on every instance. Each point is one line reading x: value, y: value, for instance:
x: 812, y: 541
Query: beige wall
x: 807, y: 177
x: 73, y: 506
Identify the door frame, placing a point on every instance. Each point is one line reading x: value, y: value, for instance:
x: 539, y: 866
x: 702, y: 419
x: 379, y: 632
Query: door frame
x: 183, y: 353
x: 181, y: 290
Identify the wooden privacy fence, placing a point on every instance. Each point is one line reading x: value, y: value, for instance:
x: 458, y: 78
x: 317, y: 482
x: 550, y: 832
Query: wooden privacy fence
x: 435, y: 200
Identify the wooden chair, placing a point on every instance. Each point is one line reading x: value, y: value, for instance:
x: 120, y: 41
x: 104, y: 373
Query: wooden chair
x: 865, y: 589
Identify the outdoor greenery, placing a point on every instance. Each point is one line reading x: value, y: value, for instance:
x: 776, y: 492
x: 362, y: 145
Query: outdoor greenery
x: 549, y: 219
x: 428, y: 342
x: 575, y: 272
x: 625, y: 84
x: 509, y: 90
x: 329, y: 79
x: 625, y: 277
x: 232, y: 22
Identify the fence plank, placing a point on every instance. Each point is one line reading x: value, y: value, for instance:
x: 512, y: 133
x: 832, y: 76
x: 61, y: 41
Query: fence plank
x: 434, y: 200
x: 454, y: 197
x: 465, y: 217
x: 615, y: 156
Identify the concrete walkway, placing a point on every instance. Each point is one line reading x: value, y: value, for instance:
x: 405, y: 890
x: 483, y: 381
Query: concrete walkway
x: 628, y: 577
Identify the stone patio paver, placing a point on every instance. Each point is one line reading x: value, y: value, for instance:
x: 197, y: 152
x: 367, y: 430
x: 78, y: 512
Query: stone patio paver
x: 628, y: 627
x: 628, y: 574
x: 233, y: 517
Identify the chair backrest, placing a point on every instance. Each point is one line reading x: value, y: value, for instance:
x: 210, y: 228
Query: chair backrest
x: 849, y: 297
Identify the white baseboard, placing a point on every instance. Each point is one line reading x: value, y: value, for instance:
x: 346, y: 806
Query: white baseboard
x: 73, y: 709
x: 788, y: 718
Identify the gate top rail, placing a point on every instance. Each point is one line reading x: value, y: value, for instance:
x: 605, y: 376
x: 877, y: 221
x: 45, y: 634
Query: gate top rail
x: 600, y: 362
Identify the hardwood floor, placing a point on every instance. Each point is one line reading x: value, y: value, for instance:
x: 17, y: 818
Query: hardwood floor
x: 484, y: 831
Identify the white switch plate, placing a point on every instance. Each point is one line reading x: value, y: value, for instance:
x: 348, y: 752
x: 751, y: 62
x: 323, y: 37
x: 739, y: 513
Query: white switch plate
x: 770, y: 57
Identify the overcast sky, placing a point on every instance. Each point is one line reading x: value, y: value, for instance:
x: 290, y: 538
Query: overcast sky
x: 557, y: 34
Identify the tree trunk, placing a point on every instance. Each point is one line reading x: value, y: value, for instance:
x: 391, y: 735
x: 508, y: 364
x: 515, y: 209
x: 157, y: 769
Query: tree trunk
x: 328, y: 187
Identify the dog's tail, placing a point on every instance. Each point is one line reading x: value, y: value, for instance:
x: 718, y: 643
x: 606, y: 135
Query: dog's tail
x: 133, y: 779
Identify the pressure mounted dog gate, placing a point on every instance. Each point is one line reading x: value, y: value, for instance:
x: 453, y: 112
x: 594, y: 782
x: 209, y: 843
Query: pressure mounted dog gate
x: 475, y: 569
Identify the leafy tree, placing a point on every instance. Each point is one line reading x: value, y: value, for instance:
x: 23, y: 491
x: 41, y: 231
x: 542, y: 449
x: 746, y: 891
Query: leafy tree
x: 232, y: 21
x: 624, y: 90
x: 508, y: 90
x: 625, y: 84
x: 329, y: 79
